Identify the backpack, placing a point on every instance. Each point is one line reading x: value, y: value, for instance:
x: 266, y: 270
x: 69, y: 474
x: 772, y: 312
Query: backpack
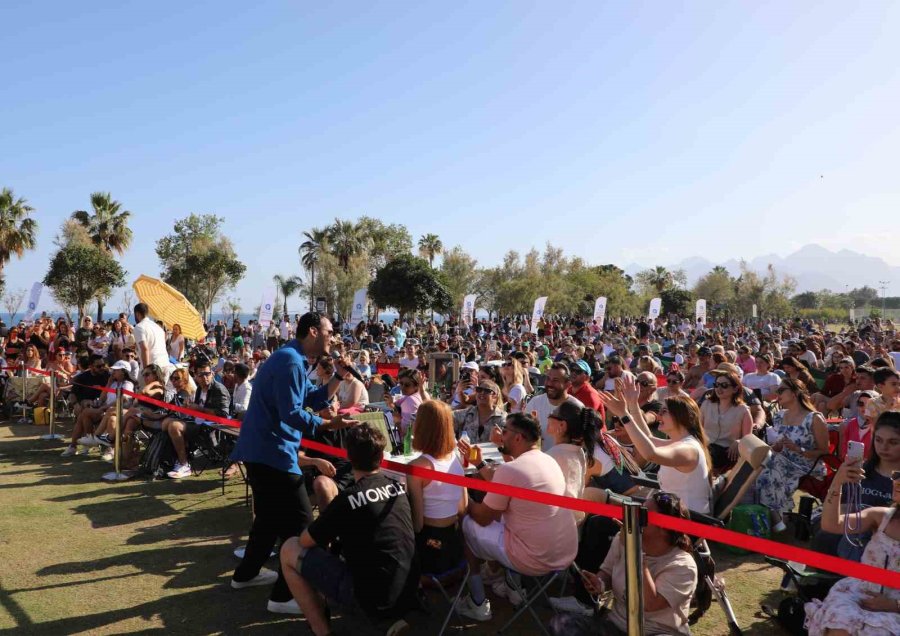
x: 159, y: 457
x: 751, y: 519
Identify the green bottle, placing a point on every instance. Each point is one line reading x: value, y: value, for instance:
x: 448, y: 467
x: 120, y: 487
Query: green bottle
x: 407, y: 440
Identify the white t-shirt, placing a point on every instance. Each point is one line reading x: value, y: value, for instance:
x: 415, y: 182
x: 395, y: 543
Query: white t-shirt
x: 285, y: 330
x: 154, y: 338
x: 541, y: 405
x: 573, y: 464
x: 765, y: 383
x: 409, y: 363
x: 516, y: 395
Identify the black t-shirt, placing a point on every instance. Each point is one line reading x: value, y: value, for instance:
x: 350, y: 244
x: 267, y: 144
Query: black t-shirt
x: 373, y: 520
x: 90, y: 379
x: 82, y: 336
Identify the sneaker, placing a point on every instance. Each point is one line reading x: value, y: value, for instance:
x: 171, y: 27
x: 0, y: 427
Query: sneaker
x: 571, y: 605
x: 85, y: 450
x: 241, y: 551
x: 70, y: 450
x: 104, y: 440
x: 398, y: 628
x: 89, y: 440
x: 285, y: 607
x: 504, y: 590
x: 265, y: 577
x: 490, y: 576
x: 180, y: 470
x: 467, y: 607
x: 779, y: 527
x: 108, y: 455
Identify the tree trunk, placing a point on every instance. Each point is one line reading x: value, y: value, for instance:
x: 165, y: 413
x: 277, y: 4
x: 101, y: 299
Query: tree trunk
x: 312, y: 288
x: 99, y: 310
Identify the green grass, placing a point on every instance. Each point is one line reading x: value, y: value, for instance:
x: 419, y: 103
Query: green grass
x: 81, y: 556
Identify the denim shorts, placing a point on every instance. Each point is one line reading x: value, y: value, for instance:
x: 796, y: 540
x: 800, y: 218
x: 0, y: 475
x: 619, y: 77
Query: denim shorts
x: 329, y: 575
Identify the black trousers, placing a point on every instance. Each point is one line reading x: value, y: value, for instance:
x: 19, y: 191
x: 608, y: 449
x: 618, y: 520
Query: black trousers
x: 282, y: 511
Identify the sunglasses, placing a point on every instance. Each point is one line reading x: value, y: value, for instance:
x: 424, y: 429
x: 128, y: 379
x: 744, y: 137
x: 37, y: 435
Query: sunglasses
x: 782, y: 390
x: 673, y: 380
x: 482, y: 390
x: 645, y: 383
x: 723, y: 385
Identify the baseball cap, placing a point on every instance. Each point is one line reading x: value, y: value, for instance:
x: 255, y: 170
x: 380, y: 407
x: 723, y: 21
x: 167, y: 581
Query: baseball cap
x: 121, y: 364
x: 582, y: 366
x: 473, y: 366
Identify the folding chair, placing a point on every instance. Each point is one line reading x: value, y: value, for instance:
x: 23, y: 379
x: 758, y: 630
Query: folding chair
x: 529, y: 594
x: 438, y: 581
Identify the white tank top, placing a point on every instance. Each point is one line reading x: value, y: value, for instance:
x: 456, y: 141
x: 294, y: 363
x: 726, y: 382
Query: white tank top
x: 692, y: 488
x: 442, y: 500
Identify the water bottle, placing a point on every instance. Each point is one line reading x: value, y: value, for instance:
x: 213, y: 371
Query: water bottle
x: 465, y: 438
x: 407, y: 440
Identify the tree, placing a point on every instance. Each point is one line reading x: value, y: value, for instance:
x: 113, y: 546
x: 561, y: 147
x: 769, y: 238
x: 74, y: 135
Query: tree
x: 13, y: 301
x: 387, y: 241
x: 429, y: 247
x: 658, y: 279
x: 676, y: 301
x: 311, y: 251
x: 78, y: 271
x: 806, y: 300
x: 232, y: 307
x: 199, y: 261
x: 460, y: 273
x: 287, y: 286
x: 409, y: 284
x: 346, y: 240
x: 107, y: 228
x: 18, y: 232
x: 716, y: 287
x: 127, y: 302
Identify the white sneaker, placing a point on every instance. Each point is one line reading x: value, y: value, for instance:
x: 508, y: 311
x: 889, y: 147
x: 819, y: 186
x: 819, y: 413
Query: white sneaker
x: 108, y: 455
x: 70, y: 450
x: 241, y: 551
x: 85, y: 450
x: 570, y: 605
x: 467, y: 607
x: 180, y: 470
x: 779, y: 527
x: 504, y: 590
x: 265, y: 577
x: 89, y: 440
x: 285, y: 607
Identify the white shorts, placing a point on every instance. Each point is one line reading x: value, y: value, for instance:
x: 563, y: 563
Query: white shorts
x: 486, y: 542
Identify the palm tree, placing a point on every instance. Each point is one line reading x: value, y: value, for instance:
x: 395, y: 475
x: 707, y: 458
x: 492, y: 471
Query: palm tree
x: 17, y: 231
x: 429, y: 247
x: 660, y: 278
x: 107, y: 227
x: 346, y: 240
x: 310, y: 251
x: 288, y: 286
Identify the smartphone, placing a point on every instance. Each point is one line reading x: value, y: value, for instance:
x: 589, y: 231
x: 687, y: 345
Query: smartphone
x: 855, y: 451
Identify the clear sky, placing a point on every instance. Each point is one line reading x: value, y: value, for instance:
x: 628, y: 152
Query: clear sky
x: 621, y: 131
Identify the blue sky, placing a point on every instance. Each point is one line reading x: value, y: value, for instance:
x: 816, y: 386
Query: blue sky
x: 620, y: 131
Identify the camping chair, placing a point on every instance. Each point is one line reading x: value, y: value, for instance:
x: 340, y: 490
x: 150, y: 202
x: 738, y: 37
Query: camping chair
x: 728, y: 491
x: 17, y: 391
x: 444, y: 581
x: 530, y: 589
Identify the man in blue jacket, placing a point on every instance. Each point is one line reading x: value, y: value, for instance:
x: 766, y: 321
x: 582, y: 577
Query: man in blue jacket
x: 276, y: 419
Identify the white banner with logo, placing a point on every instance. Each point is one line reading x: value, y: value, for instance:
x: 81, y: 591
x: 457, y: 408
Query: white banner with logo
x: 700, y: 311
x: 33, y: 300
x: 600, y: 311
x: 852, y: 314
x: 358, y: 314
x: 754, y: 310
x: 537, y: 313
x: 468, y: 309
x: 655, y: 307
x: 267, y: 306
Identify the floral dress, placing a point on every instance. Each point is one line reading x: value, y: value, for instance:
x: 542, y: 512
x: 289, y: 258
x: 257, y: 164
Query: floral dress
x: 777, y: 482
x: 841, y: 608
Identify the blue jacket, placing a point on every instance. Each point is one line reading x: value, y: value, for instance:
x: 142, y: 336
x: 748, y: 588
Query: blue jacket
x: 277, y: 417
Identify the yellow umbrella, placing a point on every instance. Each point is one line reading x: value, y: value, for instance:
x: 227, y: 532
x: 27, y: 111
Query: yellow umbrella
x: 169, y: 305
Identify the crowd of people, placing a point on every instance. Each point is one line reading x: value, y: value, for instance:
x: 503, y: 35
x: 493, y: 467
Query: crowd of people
x: 563, y: 404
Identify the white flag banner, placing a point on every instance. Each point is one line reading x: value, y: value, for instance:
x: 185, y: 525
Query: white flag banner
x: 33, y: 300
x: 655, y: 306
x: 359, y: 308
x: 267, y: 307
x: 537, y: 313
x: 468, y: 309
x: 852, y: 314
x: 754, y: 310
x: 600, y: 311
x: 700, y: 311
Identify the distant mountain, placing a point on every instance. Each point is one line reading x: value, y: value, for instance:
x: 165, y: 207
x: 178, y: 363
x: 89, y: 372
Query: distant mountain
x: 814, y: 267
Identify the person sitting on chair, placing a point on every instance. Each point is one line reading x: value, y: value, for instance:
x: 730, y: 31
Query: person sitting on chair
x: 377, y: 576
x: 212, y: 397
x: 670, y: 575
x: 530, y: 538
